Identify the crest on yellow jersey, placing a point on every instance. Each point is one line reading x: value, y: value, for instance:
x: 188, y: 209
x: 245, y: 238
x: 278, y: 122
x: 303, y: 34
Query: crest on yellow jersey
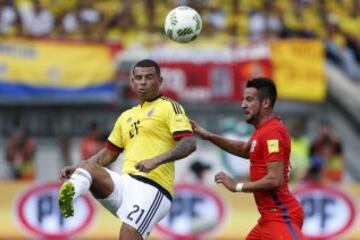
x: 151, y: 112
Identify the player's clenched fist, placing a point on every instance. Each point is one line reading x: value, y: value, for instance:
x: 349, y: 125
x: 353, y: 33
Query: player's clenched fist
x: 227, y: 181
x: 66, y: 172
x: 147, y: 165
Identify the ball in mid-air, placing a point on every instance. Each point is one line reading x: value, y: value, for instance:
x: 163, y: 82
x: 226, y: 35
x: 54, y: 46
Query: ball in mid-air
x: 183, y: 24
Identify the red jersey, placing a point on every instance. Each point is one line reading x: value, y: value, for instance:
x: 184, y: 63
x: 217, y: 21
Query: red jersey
x: 271, y: 142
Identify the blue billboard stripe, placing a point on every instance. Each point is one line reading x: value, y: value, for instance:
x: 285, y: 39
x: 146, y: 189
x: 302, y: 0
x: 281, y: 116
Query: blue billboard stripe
x: 285, y: 215
x: 11, y: 89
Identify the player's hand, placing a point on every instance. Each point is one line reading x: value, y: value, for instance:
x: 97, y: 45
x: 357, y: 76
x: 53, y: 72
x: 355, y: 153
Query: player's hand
x: 227, y: 181
x: 147, y: 165
x: 66, y: 172
x: 202, y: 132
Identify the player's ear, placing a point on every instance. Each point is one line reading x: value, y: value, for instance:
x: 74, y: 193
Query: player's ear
x: 131, y: 76
x: 160, y: 80
x: 266, y: 103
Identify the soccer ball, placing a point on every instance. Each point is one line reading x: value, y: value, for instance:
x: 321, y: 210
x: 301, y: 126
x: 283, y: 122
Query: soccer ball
x: 183, y: 24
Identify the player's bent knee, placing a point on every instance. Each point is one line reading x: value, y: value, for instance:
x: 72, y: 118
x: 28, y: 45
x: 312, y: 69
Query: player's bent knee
x: 87, y: 165
x: 128, y: 232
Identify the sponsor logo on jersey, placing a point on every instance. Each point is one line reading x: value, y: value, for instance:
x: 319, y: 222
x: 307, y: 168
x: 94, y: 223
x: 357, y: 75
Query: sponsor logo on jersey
x: 273, y: 145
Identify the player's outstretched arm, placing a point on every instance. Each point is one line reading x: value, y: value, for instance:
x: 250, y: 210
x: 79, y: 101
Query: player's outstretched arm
x: 271, y: 181
x: 235, y: 147
x: 227, y: 181
x: 183, y: 148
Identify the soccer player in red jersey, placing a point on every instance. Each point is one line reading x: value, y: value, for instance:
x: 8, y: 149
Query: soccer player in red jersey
x: 269, y: 152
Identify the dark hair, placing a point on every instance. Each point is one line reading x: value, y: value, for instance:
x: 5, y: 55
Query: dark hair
x: 148, y: 63
x: 266, y: 88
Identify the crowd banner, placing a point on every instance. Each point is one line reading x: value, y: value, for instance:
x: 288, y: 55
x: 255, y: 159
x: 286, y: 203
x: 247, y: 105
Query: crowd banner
x: 219, y: 73
x: 41, y: 67
x: 30, y: 210
x: 298, y: 69
x: 204, y: 73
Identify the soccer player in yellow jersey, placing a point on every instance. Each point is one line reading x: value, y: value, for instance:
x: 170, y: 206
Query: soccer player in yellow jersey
x: 152, y: 136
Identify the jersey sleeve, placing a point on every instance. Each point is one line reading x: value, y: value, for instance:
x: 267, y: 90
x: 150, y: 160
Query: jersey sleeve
x: 115, y: 140
x: 273, y: 146
x: 177, y: 121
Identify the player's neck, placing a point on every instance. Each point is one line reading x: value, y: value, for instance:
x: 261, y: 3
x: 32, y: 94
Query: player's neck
x: 142, y: 101
x: 266, y: 117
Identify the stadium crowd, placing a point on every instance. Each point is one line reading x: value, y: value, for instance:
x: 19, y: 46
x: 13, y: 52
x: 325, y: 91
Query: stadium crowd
x: 335, y: 22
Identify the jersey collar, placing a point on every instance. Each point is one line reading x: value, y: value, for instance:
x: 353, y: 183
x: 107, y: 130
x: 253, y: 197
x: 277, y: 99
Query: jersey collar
x: 275, y: 117
x: 150, y: 101
x: 156, y: 98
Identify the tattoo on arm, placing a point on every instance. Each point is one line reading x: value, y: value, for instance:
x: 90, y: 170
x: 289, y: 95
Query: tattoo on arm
x: 97, y: 158
x: 104, y: 157
x: 183, y: 148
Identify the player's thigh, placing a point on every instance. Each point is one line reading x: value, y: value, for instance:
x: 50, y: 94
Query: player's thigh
x: 143, y: 206
x: 128, y: 232
x: 113, y: 201
x: 102, y: 185
x: 255, y: 233
x: 281, y: 231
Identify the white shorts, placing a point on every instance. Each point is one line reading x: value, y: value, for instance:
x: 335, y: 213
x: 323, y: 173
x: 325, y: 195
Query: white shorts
x: 137, y: 203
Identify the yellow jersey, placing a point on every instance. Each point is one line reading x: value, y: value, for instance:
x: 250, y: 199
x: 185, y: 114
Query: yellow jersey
x: 148, y: 130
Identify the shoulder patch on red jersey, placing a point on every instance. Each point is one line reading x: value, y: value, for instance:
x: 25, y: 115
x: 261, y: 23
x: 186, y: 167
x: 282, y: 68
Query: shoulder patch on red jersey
x: 273, y: 145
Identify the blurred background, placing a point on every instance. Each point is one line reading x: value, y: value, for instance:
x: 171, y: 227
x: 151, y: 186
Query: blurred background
x: 64, y: 79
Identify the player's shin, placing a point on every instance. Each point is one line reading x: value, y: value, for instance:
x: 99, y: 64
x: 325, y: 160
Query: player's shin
x: 81, y: 179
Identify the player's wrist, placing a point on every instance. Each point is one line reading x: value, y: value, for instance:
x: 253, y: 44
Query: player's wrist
x: 208, y: 136
x: 239, y: 187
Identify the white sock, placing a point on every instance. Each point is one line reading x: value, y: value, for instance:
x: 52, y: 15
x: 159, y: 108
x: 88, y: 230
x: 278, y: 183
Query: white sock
x: 81, y: 179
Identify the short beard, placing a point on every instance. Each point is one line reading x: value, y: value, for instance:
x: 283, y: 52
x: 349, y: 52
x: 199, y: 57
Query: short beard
x: 254, y: 118
x: 250, y: 120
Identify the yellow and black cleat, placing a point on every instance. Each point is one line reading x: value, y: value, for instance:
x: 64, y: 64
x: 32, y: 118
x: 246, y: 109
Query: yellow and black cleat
x: 66, y: 197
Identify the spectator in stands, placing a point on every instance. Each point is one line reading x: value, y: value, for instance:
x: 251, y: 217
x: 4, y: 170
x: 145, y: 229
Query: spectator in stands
x: 300, y: 148
x: 198, y: 170
x: 10, y: 24
x: 19, y: 153
x: 150, y: 11
x: 334, y: 22
x: 215, y: 17
x: 84, y: 21
x: 195, y: 173
x: 120, y: 25
x: 70, y: 23
x: 256, y: 25
x: 302, y: 19
x: 326, y: 154
x: 264, y: 23
x: 338, y: 52
x: 92, y: 142
x: 90, y: 19
x: 37, y: 20
x: 314, y: 173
